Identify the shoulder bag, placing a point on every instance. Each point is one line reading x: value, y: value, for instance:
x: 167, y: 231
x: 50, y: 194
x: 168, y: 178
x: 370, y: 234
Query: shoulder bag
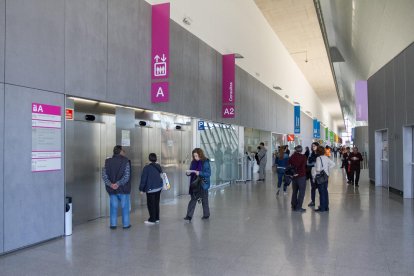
x: 321, y: 177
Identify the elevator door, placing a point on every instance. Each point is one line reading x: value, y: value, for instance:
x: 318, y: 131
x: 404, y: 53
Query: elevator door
x: 84, y: 154
x: 384, y: 159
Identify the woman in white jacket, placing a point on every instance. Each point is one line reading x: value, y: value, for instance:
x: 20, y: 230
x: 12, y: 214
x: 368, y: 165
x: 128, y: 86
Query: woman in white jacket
x: 323, y: 163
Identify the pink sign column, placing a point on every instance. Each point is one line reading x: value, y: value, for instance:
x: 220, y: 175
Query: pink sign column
x: 160, y: 52
x: 361, y: 100
x: 229, y: 86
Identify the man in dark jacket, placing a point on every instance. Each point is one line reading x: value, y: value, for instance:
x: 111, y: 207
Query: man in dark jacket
x: 298, y: 161
x: 116, y: 175
x: 355, y: 159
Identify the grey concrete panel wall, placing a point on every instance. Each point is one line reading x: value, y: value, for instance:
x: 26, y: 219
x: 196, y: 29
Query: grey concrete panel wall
x: 177, y: 35
x: 35, y: 44
x: 389, y: 121
x: 1, y: 167
x: 390, y: 102
x: 207, y: 83
x: 361, y: 138
x: 34, y: 201
x: 306, y: 130
x: 2, y: 36
x: 128, y: 52
x: 282, y: 109
x: 409, y: 73
x: 188, y: 83
x: 86, y: 48
x: 242, y: 94
x: 399, y: 115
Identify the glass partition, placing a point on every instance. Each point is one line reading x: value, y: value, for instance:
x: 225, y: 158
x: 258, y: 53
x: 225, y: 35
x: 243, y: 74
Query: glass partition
x: 220, y: 143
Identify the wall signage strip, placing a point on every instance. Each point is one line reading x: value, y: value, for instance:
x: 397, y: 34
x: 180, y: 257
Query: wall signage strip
x: 160, y: 52
x: 361, y: 100
x: 46, y: 137
x: 229, y: 86
x: 297, y: 119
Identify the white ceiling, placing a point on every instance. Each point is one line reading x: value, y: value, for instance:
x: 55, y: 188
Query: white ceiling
x: 296, y: 24
x: 368, y: 33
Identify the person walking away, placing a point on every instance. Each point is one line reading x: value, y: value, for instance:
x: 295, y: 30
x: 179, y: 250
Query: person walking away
x: 282, y: 160
x: 200, y: 166
x: 323, y: 163
x: 117, y: 178
x: 151, y: 184
x: 298, y: 161
x: 335, y: 151
x: 309, y: 165
x: 262, y: 155
x: 355, y: 159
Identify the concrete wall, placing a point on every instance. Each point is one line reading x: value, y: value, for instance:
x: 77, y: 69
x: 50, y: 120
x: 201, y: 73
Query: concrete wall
x: 390, y: 106
x: 361, y: 138
x: 99, y: 49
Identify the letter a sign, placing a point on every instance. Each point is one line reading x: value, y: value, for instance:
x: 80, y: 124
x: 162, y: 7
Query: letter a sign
x: 159, y: 92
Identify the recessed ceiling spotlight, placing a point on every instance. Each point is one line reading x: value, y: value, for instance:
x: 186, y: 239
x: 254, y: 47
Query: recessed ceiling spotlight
x: 237, y: 55
x: 277, y: 87
x: 187, y: 20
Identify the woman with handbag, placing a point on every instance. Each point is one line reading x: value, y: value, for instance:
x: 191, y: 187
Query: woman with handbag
x: 199, y: 173
x: 320, y: 173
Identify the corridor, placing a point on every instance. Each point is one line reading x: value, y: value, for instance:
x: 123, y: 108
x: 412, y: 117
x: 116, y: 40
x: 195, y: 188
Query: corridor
x: 251, y: 232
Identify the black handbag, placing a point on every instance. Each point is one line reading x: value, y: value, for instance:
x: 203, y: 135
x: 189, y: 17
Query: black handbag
x: 321, y: 177
x: 195, y: 186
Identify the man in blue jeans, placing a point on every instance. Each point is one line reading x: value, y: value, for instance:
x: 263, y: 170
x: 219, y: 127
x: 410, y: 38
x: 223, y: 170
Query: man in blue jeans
x: 116, y: 175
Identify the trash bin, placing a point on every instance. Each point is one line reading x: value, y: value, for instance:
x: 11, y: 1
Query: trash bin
x: 68, y: 216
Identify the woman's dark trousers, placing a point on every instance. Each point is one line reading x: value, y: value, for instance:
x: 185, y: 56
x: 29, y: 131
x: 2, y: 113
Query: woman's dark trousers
x: 193, y: 202
x: 323, y: 196
x: 313, y: 189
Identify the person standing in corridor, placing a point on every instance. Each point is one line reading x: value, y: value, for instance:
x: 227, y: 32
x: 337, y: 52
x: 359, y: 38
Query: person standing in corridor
x: 262, y: 155
x: 355, y: 159
x: 298, y: 161
x: 151, y: 184
x: 117, y: 178
x: 199, y: 167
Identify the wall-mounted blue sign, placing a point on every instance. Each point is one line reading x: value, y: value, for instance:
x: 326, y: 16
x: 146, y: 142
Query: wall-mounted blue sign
x: 318, y: 127
x: 297, y: 119
x: 315, y: 128
x: 201, y: 125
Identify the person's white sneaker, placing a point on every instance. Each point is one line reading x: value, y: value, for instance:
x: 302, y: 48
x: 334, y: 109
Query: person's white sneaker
x: 149, y: 222
x: 284, y: 193
x: 157, y: 221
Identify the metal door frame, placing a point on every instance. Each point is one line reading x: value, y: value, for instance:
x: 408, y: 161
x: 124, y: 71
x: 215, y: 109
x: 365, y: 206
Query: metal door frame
x: 378, y: 158
x: 408, y: 163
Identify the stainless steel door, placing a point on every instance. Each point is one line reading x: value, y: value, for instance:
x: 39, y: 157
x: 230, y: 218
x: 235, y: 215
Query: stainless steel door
x: 170, y: 156
x: 83, y: 153
x: 186, y: 148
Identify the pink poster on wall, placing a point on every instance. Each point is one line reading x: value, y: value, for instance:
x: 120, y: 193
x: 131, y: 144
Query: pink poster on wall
x: 160, y: 57
x: 361, y: 100
x: 46, y: 137
x: 229, y: 87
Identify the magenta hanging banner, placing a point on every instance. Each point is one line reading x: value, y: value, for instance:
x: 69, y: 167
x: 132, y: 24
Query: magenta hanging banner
x: 229, y: 86
x: 361, y: 100
x: 160, y: 57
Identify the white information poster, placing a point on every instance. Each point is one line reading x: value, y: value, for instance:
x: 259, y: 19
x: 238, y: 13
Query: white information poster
x: 46, y: 138
x: 126, y: 138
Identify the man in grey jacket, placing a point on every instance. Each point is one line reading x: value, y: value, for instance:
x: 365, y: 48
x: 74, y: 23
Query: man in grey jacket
x: 262, y: 154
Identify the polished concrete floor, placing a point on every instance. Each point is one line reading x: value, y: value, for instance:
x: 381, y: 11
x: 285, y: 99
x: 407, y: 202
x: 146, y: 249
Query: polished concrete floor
x: 250, y: 232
